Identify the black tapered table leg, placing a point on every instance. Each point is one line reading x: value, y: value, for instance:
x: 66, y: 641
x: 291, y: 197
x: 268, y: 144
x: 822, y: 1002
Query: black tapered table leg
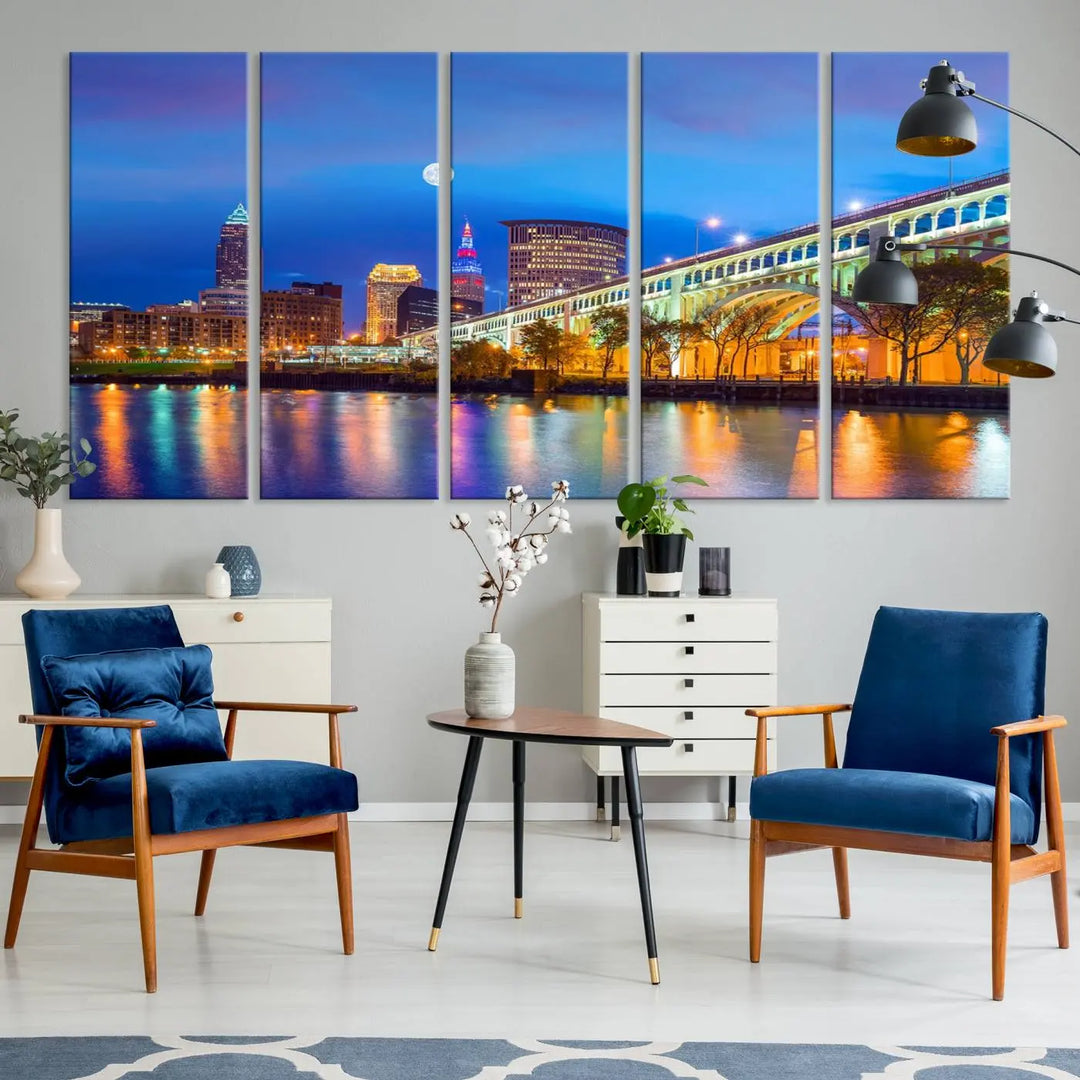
x: 599, y: 798
x: 465, y: 790
x: 637, y: 828
x: 519, y: 825
x: 615, y: 800
x: 731, y: 798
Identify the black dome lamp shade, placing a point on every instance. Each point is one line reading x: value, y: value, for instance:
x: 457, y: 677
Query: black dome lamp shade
x: 1024, y: 347
x: 885, y: 279
x: 940, y: 123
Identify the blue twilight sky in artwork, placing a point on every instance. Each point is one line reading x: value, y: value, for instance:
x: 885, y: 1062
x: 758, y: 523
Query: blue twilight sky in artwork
x: 345, y: 139
x: 536, y: 135
x: 158, y: 161
x: 870, y: 93
x: 727, y: 135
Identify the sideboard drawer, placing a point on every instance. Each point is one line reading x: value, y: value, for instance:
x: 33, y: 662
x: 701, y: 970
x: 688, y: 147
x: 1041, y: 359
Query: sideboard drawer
x: 656, y: 619
x: 687, y: 691
x: 259, y: 621
x: 691, y: 657
x: 690, y: 723
x: 696, y: 757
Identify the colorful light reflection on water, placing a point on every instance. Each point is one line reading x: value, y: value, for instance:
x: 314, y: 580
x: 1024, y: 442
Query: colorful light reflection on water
x: 162, y: 442
x: 743, y: 451
x: 499, y: 439
x: 920, y: 454
x: 349, y: 444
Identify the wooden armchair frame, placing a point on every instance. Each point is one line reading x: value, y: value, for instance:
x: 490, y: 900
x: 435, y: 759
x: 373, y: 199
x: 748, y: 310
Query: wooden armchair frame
x: 1009, y: 862
x: 132, y: 857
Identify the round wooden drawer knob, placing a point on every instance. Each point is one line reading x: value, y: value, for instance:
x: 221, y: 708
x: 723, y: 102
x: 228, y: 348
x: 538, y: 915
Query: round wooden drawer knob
x: 238, y: 616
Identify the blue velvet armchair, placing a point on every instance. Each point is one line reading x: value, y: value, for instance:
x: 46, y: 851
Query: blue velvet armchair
x: 946, y: 754
x: 132, y: 763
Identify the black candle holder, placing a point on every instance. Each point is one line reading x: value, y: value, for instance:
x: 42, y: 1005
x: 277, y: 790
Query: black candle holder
x: 714, y: 571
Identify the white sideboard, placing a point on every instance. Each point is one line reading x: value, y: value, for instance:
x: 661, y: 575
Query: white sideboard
x: 687, y: 666
x: 266, y: 648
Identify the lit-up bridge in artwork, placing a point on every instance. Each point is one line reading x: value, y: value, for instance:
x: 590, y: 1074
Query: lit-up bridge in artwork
x: 780, y: 271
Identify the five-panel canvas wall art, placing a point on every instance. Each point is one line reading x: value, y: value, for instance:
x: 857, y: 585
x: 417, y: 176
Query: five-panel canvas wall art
x: 559, y: 300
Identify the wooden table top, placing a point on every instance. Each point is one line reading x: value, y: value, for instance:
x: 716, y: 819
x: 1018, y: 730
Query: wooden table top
x: 529, y: 724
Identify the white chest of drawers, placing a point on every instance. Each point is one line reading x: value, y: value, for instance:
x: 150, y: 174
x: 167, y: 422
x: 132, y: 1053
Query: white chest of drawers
x: 686, y: 666
x: 266, y: 648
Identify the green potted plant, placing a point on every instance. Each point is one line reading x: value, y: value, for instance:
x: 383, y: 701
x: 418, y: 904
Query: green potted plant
x: 650, y: 509
x: 39, y: 466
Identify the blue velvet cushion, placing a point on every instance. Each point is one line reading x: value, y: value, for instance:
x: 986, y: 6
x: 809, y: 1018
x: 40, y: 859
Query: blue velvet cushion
x: 901, y: 802
x: 63, y: 632
x: 171, y: 686
x: 933, y: 684
x: 207, y: 795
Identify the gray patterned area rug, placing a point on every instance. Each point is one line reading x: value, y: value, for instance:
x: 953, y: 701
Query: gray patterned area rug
x: 293, y: 1058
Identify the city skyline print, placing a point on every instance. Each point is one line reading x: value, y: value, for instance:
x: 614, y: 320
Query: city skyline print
x: 539, y: 273
x: 730, y: 340
x: 159, y: 273
x: 915, y: 414
x: 349, y: 301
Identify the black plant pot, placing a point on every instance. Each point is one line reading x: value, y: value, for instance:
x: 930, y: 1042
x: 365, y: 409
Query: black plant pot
x: 664, y: 555
x: 630, y: 570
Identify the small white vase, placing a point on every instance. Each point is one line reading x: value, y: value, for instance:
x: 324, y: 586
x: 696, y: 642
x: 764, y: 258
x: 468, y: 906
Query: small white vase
x: 218, y: 582
x: 489, y: 679
x: 48, y: 575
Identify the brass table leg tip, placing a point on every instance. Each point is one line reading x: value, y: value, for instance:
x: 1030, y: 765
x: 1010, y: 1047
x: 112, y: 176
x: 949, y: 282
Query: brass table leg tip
x: 433, y: 941
x: 519, y: 906
x: 731, y: 813
x: 654, y: 971
x: 615, y: 832
x: 600, y: 815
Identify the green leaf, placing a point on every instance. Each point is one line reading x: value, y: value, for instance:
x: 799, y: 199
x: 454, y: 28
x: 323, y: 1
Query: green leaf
x: 687, y: 533
x: 688, y: 479
x: 635, y: 501
x: 84, y: 443
x: 680, y: 504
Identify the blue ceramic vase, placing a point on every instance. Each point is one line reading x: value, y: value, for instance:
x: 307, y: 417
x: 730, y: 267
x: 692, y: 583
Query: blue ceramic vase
x: 243, y: 568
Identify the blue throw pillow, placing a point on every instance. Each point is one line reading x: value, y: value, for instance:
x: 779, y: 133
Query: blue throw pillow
x: 172, y: 686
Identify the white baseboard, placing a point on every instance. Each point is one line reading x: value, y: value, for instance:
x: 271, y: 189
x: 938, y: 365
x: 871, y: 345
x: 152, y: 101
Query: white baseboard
x: 539, y: 811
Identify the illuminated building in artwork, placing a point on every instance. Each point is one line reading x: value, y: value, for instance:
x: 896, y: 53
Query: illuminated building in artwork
x: 163, y: 326
x: 232, y: 251
x: 224, y: 301
x: 466, y: 273
x: 554, y: 257
x: 385, y: 283
x: 300, y: 317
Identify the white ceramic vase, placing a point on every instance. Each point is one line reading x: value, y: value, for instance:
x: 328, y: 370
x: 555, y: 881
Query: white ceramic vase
x: 489, y: 679
x: 218, y: 582
x: 48, y: 575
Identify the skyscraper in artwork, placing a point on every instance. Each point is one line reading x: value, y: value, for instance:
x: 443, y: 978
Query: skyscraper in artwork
x: 385, y: 283
x: 467, y: 275
x: 232, y: 251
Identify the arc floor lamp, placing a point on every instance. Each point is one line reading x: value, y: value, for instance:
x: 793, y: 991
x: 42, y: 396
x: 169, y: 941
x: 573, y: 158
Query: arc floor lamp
x: 941, y: 124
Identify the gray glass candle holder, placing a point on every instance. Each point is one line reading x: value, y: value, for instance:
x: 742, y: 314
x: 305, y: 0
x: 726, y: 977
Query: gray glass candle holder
x: 714, y: 571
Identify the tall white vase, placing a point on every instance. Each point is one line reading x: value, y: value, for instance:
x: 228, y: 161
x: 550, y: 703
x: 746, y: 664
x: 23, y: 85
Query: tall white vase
x: 48, y: 575
x: 489, y: 678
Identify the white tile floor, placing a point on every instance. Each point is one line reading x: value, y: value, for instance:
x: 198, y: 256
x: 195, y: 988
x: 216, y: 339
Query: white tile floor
x: 912, y: 965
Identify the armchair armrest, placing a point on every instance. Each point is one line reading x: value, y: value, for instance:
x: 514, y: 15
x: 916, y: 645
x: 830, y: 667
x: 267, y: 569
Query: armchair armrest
x: 87, y: 721
x: 761, y: 759
x: 1028, y: 727
x: 330, y: 711
x: 797, y: 710
x: 282, y: 706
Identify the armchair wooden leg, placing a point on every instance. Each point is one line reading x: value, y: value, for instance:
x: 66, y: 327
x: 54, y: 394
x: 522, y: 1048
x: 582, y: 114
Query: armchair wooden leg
x: 1000, y: 871
x: 206, y: 872
x: 1055, y: 833
x: 144, y: 862
x: 28, y: 839
x: 757, y: 887
x: 343, y: 866
x: 840, y: 869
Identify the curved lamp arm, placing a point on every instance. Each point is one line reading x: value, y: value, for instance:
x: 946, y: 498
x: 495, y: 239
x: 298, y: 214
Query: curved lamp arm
x: 1023, y: 116
x: 904, y: 246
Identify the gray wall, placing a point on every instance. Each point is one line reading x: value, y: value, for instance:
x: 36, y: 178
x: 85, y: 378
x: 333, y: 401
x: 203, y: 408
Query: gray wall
x: 401, y: 583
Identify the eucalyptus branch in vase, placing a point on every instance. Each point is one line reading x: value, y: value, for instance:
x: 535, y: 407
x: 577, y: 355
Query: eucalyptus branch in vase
x: 515, y: 549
